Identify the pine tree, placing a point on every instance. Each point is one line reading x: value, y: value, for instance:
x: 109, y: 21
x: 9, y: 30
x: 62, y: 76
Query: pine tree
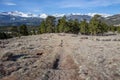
x: 50, y: 24
x: 61, y: 25
x: 42, y: 28
x: 3, y: 35
x: 94, y: 25
x: 76, y: 26
x: 73, y: 26
x: 118, y: 29
x: 70, y: 25
x: 103, y: 27
x: 14, y: 31
x: 23, y: 30
x: 67, y: 27
x: 34, y: 32
x: 84, y: 27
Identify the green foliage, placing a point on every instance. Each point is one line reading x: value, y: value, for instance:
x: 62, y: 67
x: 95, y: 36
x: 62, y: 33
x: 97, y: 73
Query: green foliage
x: 14, y: 31
x: 67, y: 27
x: 112, y: 28
x: 34, y: 32
x: 50, y: 24
x: 42, y: 27
x: 70, y: 25
x: 61, y: 25
x: 84, y: 27
x: 76, y: 26
x: 96, y: 26
x: 118, y: 29
x: 103, y: 27
x: 23, y: 30
x: 73, y: 26
x: 5, y: 35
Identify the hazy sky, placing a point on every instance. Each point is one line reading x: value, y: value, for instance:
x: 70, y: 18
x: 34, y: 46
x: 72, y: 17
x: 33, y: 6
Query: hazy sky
x: 61, y: 6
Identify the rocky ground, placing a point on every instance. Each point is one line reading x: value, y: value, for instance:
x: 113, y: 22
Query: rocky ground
x: 60, y: 57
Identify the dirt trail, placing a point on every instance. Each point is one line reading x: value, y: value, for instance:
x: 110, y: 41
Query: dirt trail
x: 60, y: 65
x: 64, y: 65
x: 66, y: 59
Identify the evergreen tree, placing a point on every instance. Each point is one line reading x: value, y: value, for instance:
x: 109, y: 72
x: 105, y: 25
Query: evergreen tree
x: 70, y: 25
x: 112, y: 28
x: 94, y: 25
x: 67, y: 27
x: 14, y: 31
x: 61, y: 25
x: 34, y: 32
x: 84, y: 27
x: 43, y: 27
x: 50, y: 24
x: 103, y: 27
x: 73, y: 26
x: 23, y: 30
x: 118, y: 29
x: 76, y: 26
x: 4, y: 35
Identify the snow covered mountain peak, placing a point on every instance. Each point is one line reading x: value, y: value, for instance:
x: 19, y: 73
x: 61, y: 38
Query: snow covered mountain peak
x: 17, y: 13
x: 102, y: 14
x: 21, y: 14
x: 43, y: 15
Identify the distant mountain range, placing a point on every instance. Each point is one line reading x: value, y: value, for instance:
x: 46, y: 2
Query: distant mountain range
x: 18, y: 18
x: 113, y: 20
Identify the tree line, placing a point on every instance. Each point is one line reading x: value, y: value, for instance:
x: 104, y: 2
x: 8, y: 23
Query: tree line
x: 94, y: 27
x: 50, y: 25
x: 15, y: 32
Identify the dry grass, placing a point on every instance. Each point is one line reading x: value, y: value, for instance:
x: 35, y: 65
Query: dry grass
x: 80, y: 57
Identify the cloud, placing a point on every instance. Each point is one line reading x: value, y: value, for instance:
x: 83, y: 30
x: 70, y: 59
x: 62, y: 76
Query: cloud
x: 9, y: 3
x: 87, y: 3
